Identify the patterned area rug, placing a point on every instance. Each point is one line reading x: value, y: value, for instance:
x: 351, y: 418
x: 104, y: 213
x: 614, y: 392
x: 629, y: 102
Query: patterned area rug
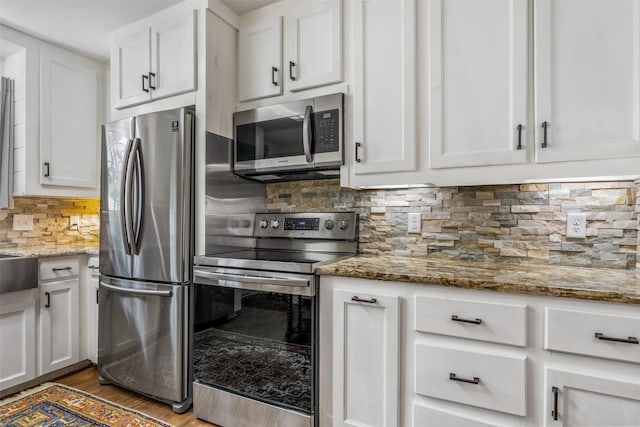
x: 54, y: 405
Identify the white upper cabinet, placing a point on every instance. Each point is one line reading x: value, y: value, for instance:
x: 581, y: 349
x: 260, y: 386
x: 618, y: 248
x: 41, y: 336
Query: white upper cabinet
x: 477, y: 81
x: 173, y: 56
x: 289, y: 46
x: 130, y: 59
x: 587, y: 79
x: 152, y: 62
x: 313, y: 51
x: 260, y: 56
x: 384, y: 87
x: 68, y: 121
x: 58, y: 110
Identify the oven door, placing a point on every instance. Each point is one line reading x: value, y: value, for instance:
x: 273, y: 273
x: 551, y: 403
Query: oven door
x: 254, y: 335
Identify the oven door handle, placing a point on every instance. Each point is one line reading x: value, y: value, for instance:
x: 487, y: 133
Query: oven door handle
x: 281, y: 281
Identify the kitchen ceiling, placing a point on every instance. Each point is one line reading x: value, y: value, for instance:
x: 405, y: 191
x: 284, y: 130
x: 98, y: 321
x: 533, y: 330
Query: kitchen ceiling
x: 84, y: 25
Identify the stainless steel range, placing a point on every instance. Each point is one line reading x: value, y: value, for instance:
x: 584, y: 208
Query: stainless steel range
x: 256, y: 328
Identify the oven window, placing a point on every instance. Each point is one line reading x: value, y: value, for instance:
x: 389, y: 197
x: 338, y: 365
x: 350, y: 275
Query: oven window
x: 256, y: 344
x: 270, y: 139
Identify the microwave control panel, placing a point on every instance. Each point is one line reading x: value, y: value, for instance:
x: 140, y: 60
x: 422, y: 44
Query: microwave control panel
x: 327, y: 131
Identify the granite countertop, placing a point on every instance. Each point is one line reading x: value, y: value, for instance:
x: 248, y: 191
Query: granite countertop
x: 41, y: 252
x: 572, y: 282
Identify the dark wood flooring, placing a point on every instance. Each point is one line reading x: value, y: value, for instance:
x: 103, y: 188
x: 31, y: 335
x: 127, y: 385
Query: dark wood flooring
x: 87, y: 380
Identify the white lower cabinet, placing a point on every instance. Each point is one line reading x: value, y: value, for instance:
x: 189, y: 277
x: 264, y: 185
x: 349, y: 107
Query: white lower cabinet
x: 89, y: 311
x: 59, y: 325
x: 473, y: 358
x: 17, y: 337
x: 589, y: 399
x: 365, y: 359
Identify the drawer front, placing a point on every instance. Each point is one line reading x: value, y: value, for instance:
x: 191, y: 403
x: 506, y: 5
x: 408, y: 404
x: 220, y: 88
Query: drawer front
x: 59, y: 268
x: 488, y: 380
x: 478, y: 320
x: 428, y: 416
x: 93, y: 266
x: 591, y: 333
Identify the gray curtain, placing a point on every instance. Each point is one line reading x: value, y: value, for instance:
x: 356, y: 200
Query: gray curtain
x: 6, y: 143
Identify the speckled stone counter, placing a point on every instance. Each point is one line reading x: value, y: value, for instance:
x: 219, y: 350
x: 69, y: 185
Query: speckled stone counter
x: 41, y: 252
x: 572, y: 282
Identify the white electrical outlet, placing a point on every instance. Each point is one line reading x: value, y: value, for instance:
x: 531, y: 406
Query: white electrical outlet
x: 576, y: 225
x: 414, y: 223
x: 74, y: 220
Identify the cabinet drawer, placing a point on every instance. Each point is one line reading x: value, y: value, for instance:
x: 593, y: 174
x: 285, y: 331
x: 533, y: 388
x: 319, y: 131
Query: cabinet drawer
x: 478, y: 320
x: 428, y: 416
x: 489, y: 380
x: 59, y: 268
x: 598, y: 334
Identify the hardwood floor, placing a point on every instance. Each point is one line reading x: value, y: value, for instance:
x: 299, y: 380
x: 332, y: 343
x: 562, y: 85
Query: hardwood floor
x: 87, y: 380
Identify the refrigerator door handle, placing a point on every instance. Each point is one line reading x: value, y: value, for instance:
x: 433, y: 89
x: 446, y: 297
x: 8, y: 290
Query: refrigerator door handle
x: 128, y: 196
x: 140, y: 196
x: 147, y: 292
x: 124, y: 187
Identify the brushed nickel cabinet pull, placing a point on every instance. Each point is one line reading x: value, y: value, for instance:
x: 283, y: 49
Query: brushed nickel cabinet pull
x: 554, y: 411
x: 61, y: 269
x: 48, y: 304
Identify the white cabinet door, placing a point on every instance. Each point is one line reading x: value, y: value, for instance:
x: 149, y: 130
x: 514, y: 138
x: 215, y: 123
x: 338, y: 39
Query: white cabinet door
x: 68, y: 121
x: 91, y: 310
x: 366, y: 367
x: 384, y: 101
x: 260, y: 56
x: 130, y: 63
x: 17, y: 338
x: 59, y: 320
x: 587, y: 81
x: 173, y: 56
x: 477, y: 79
x: 313, y: 35
x: 577, y: 399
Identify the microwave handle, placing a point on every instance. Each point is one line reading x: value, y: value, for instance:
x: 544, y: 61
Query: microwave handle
x: 307, y: 133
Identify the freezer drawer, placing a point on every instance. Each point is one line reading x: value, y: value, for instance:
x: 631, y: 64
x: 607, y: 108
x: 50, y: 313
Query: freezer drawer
x: 143, y: 337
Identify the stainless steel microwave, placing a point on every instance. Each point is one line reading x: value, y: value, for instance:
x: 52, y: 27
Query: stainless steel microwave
x: 290, y: 139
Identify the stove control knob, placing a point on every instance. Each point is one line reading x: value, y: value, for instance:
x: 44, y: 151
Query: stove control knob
x: 263, y: 223
x: 342, y: 225
x: 275, y: 223
x: 328, y: 224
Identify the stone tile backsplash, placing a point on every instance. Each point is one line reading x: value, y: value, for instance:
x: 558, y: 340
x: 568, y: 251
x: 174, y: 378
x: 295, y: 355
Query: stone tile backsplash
x: 51, y: 223
x: 507, y: 223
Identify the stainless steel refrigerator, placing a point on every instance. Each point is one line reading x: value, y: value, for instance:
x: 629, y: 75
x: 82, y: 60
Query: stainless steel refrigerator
x: 146, y: 252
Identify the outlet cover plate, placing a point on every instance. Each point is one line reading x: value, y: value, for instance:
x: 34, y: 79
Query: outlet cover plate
x: 577, y: 225
x: 22, y: 222
x: 414, y: 223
